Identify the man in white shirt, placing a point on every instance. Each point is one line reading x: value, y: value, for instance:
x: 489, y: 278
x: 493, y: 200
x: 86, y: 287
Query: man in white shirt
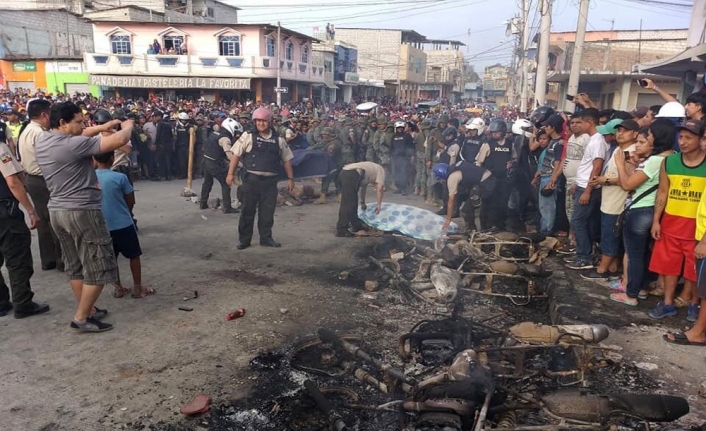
x: 586, y: 200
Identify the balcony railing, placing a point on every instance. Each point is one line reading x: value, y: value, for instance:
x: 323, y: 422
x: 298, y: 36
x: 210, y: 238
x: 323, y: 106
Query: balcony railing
x: 197, y: 65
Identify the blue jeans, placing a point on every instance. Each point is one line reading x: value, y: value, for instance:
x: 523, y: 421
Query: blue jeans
x: 547, y: 208
x: 610, y: 243
x: 581, y: 222
x: 636, y: 236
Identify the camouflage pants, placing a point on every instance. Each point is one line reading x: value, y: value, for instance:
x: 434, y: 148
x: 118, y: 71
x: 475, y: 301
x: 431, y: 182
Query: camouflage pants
x: 420, y: 180
x: 370, y: 154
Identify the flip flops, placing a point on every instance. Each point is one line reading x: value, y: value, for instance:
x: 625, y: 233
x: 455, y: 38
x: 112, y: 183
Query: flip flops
x: 144, y: 291
x: 680, y: 339
x: 119, y: 291
x: 200, y: 404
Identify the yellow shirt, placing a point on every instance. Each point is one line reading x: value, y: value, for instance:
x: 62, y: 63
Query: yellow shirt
x: 701, y: 217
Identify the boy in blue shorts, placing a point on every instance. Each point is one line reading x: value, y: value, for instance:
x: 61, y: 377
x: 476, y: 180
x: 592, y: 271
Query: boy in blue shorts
x: 118, y: 201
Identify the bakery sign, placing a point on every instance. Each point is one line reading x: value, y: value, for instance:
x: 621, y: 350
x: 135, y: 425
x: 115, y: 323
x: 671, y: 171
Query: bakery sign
x: 171, y: 82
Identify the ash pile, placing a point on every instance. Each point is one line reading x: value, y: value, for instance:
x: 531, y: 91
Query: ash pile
x: 456, y: 369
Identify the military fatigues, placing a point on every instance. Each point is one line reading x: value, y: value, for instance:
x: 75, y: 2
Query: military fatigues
x: 217, y: 152
x: 15, y: 240
x: 421, y: 159
x: 335, y: 148
x: 368, y: 140
x: 262, y: 157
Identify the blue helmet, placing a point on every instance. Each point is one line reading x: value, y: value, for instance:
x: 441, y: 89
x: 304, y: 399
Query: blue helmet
x: 441, y: 171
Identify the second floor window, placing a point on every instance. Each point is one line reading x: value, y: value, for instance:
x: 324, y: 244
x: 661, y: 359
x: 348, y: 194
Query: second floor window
x: 305, y: 54
x: 120, y: 44
x: 229, y: 45
x: 271, y: 47
x: 289, y: 51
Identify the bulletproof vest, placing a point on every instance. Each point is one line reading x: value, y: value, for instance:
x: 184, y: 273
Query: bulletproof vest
x: 264, y: 154
x: 549, y: 157
x: 5, y: 193
x: 212, y: 150
x: 182, y: 134
x: 470, y: 173
x: 397, y: 146
x: 470, y: 148
x: 444, y: 157
x: 498, y: 158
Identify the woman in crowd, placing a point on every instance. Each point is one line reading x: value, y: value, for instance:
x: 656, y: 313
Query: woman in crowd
x: 652, y: 146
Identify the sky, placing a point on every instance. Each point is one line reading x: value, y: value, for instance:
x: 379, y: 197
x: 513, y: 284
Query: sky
x: 452, y: 19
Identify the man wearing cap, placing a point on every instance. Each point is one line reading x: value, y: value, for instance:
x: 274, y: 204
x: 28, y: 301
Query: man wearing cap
x: 682, y: 181
x: 612, y: 201
x: 586, y: 199
x: 244, y: 119
x: 548, y: 173
x: 49, y: 247
x: 333, y: 146
x: 313, y: 135
x: 368, y: 139
x: 422, y: 159
x: 639, y: 113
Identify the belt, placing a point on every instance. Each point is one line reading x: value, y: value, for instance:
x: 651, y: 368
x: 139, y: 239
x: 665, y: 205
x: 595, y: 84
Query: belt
x: 33, y: 175
x: 262, y: 177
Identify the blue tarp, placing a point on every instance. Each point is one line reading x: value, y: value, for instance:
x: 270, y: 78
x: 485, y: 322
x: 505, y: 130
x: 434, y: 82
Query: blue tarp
x: 311, y: 164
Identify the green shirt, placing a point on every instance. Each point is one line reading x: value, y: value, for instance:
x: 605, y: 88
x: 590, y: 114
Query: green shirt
x: 649, y: 167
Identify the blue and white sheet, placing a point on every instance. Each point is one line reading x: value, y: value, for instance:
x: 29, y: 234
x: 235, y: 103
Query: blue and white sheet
x: 410, y: 221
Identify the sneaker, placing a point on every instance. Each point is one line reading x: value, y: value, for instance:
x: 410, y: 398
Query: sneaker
x: 567, y: 249
x: 99, y: 314
x: 580, y: 264
x: 4, y: 309
x: 662, y: 310
x: 692, y: 312
x: 31, y: 310
x: 571, y: 259
x: 91, y: 325
x: 594, y: 275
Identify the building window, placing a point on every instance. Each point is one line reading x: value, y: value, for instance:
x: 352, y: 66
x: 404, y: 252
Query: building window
x: 173, y: 44
x: 271, y: 47
x: 229, y: 45
x: 209, y: 12
x: 120, y: 44
x: 305, y: 54
x: 289, y: 51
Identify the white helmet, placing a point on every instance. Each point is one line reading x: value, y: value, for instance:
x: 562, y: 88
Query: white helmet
x: 400, y: 124
x: 672, y: 110
x: 476, y: 124
x: 232, y: 126
x: 522, y: 127
x: 183, y: 116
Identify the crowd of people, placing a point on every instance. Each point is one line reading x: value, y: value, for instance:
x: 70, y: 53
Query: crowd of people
x: 623, y: 188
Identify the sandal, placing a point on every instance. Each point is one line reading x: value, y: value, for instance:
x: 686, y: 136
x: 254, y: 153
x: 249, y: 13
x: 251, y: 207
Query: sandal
x: 681, y: 339
x: 119, y: 291
x: 623, y: 299
x: 680, y: 302
x: 643, y: 295
x: 144, y: 291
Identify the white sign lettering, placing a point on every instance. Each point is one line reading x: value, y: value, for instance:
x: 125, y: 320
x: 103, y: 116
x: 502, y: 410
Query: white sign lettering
x: 172, y: 82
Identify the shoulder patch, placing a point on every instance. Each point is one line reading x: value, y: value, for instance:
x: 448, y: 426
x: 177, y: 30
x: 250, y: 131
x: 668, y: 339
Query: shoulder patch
x: 5, y: 157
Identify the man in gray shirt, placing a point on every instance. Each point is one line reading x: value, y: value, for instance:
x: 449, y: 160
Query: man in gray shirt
x: 64, y: 156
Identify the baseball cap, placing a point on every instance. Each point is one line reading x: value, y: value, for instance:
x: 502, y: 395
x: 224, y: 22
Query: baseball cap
x: 694, y: 126
x: 610, y: 127
x: 640, y: 111
x: 157, y: 113
x: 555, y: 122
x: 629, y: 125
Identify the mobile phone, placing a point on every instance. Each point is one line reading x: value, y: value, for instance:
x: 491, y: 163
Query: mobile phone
x: 569, y: 97
x: 627, y: 155
x: 642, y: 83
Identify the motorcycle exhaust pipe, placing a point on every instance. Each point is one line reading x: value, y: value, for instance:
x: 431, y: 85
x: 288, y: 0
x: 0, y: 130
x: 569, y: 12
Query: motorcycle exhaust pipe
x: 337, y: 423
x: 536, y: 333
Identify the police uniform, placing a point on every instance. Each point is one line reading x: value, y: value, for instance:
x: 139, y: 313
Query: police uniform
x: 463, y: 181
x: 217, y: 152
x: 402, y: 150
x: 494, y: 156
x: 181, y: 147
x: 15, y: 243
x: 262, y: 158
x: 354, y: 179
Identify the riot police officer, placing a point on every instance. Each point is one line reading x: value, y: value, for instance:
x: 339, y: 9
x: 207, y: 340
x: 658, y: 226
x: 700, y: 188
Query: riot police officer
x: 474, y: 140
x: 463, y: 180
x: 263, y: 152
x: 15, y: 239
x: 217, y: 153
x: 498, y: 156
x: 402, y: 152
x: 183, y: 131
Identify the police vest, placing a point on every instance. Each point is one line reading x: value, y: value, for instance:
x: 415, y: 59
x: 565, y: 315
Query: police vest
x: 5, y: 193
x: 470, y: 173
x: 182, y: 134
x: 212, y: 149
x: 470, y: 148
x: 496, y: 162
x: 398, y: 145
x: 264, y: 155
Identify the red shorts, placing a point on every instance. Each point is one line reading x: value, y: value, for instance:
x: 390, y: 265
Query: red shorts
x: 671, y: 254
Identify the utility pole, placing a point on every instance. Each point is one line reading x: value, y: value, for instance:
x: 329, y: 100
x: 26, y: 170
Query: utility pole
x: 524, y: 90
x: 575, y: 74
x: 279, y: 65
x: 540, y: 87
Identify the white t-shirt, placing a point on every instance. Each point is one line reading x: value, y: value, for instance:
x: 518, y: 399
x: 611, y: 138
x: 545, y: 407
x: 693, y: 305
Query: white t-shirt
x: 597, y: 148
x: 574, y: 153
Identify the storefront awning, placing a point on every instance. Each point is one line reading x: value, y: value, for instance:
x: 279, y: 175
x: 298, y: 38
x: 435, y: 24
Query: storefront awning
x: 371, y: 82
x: 332, y: 86
x: 690, y: 60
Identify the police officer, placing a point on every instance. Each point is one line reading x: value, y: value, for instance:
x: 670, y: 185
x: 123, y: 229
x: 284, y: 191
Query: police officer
x: 15, y: 239
x: 402, y: 153
x: 463, y: 179
x: 354, y: 179
x: 498, y: 156
x: 263, y: 152
x: 474, y: 140
x: 184, y: 129
x: 217, y: 153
